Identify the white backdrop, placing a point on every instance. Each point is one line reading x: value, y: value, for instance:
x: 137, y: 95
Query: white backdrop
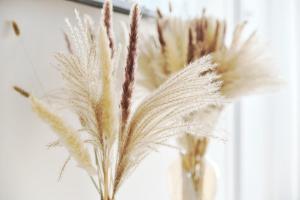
x: 260, y: 161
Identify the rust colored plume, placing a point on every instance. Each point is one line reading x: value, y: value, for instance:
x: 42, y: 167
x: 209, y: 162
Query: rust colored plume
x: 107, y: 19
x: 130, y: 67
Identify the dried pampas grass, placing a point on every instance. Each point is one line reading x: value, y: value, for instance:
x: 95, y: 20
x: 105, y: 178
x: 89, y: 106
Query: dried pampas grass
x: 179, y: 42
x: 243, y: 67
x: 67, y: 135
x: 120, y: 134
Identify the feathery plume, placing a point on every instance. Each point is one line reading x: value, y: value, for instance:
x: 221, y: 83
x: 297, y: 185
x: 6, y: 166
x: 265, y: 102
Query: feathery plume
x: 233, y: 60
x: 156, y: 118
x: 130, y: 66
x: 67, y: 135
x: 107, y: 100
x: 242, y: 68
x: 107, y: 20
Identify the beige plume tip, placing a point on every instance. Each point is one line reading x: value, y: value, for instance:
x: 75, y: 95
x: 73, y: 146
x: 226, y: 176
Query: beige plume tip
x: 21, y: 91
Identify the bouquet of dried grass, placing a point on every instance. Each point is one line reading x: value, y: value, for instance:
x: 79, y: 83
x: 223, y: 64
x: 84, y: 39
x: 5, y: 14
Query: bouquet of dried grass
x: 119, y: 136
x: 243, y: 67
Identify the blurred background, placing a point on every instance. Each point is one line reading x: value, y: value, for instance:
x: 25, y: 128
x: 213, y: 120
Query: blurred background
x: 260, y: 160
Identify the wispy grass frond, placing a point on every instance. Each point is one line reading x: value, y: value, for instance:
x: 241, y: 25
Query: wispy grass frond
x: 178, y: 96
x: 66, y: 134
x: 246, y: 67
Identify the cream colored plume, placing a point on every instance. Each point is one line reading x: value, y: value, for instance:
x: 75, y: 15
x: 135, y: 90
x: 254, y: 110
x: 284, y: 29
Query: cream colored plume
x: 82, y: 75
x: 156, y: 64
x: 107, y: 98
x: 67, y: 135
x: 243, y: 68
x: 246, y: 67
x: 156, y: 118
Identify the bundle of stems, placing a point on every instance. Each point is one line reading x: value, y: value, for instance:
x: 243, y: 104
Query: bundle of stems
x: 119, y: 135
x: 244, y: 67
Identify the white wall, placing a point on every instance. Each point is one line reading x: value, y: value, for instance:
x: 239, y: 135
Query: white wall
x: 270, y: 123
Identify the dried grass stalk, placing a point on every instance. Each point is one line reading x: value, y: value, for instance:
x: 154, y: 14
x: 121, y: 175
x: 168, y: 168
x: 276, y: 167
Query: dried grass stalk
x: 67, y: 135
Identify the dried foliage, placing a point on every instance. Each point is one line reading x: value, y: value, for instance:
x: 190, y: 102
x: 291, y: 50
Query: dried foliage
x: 67, y: 135
x: 243, y: 67
x: 179, y: 42
x: 120, y: 135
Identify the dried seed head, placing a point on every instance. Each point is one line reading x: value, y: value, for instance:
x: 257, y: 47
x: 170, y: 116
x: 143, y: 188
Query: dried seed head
x: 21, y: 91
x: 16, y: 28
x: 107, y: 20
x: 130, y: 65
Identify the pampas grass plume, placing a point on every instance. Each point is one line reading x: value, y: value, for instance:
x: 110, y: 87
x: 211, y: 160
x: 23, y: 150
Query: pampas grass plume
x: 67, y: 135
x: 108, y: 119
